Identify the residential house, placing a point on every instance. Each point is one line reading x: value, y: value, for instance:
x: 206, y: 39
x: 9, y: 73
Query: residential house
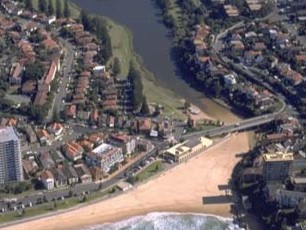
x: 60, y: 179
x: 83, y: 173
x: 96, y: 173
x: 43, y: 136
x: 30, y: 167
x: 144, y: 125
x: 98, y: 70
x: 254, y: 5
x: 47, y: 179
x: 87, y: 145
x: 42, y: 94
x: 94, y: 116
x: 57, y: 156
x: 31, y: 136
x: 50, y: 74
x: 71, y: 111
x: 96, y: 138
x: 83, y: 115
x: 230, y: 79
x: 29, y: 87
x: 71, y: 174
x: 56, y: 129
x: 104, y: 156
x: 73, y: 151
x: 127, y: 143
x: 231, y: 10
x: 46, y: 160
x: 11, y: 122
x: 111, y: 121
x: 16, y: 74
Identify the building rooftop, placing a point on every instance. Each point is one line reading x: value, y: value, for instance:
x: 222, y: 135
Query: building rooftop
x: 8, y: 134
x: 278, y: 156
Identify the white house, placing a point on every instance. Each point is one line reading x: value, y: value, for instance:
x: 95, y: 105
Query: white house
x: 230, y: 79
x: 51, y: 19
x: 47, y: 179
x: 98, y: 70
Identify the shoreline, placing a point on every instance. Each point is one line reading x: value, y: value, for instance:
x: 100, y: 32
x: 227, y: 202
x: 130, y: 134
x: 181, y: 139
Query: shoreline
x: 173, y: 191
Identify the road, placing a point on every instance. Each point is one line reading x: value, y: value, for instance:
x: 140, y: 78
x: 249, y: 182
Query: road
x: 79, y: 189
x: 67, y: 64
x: 239, y: 126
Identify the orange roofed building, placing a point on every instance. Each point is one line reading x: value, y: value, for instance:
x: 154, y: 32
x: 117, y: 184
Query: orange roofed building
x: 73, y: 151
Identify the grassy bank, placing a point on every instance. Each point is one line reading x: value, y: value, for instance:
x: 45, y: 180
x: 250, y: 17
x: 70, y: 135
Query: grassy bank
x: 122, y: 46
x: 74, y: 9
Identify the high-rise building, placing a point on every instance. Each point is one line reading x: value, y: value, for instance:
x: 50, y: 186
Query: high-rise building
x: 10, y: 156
x: 277, y: 166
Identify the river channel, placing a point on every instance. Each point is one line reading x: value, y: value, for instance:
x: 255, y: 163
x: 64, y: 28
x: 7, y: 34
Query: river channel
x: 151, y: 42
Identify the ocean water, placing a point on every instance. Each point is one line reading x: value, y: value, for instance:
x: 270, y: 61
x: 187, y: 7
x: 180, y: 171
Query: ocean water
x: 170, y: 221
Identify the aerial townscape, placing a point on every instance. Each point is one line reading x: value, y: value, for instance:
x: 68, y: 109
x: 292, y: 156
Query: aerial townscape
x: 161, y: 114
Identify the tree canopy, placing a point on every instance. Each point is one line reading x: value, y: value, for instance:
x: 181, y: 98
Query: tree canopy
x: 34, y: 71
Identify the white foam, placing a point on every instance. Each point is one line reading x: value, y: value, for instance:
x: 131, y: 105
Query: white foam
x: 170, y: 221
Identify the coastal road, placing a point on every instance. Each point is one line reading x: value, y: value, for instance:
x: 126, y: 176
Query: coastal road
x: 79, y: 189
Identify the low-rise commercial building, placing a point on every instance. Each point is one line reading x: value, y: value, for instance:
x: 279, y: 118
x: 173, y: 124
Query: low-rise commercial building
x: 183, y: 151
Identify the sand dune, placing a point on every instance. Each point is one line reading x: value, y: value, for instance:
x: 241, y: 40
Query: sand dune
x: 180, y: 189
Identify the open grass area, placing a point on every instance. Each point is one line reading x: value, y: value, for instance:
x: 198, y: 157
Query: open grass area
x: 149, y: 171
x: 55, y: 206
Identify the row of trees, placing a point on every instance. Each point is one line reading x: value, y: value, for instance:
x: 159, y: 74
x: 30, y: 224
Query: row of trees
x: 49, y: 9
x: 135, y: 78
x: 98, y: 26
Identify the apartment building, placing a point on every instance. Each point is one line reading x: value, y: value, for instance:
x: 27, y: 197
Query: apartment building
x: 10, y: 156
x: 127, y: 143
x: 104, y: 156
x: 277, y: 166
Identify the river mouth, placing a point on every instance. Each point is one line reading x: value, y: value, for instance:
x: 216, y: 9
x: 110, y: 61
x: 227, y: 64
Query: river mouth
x: 152, y: 42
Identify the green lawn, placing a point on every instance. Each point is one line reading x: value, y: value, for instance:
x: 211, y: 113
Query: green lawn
x: 149, y: 171
x: 60, y: 205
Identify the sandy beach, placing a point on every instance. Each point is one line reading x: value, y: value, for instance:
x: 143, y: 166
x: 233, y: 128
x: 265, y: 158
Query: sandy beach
x: 181, y: 189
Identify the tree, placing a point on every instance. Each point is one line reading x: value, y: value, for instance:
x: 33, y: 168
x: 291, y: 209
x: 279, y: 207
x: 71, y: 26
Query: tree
x: 85, y: 19
x: 42, y: 6
x: 145, y: 107
x: 58, y: 6
x: 34, y: 71
x: 116, y: 66
x: 50, y: 10
x: 29, y: 4
x: 56, y: 117
x: 67, y: 12
x: 135, y: 78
